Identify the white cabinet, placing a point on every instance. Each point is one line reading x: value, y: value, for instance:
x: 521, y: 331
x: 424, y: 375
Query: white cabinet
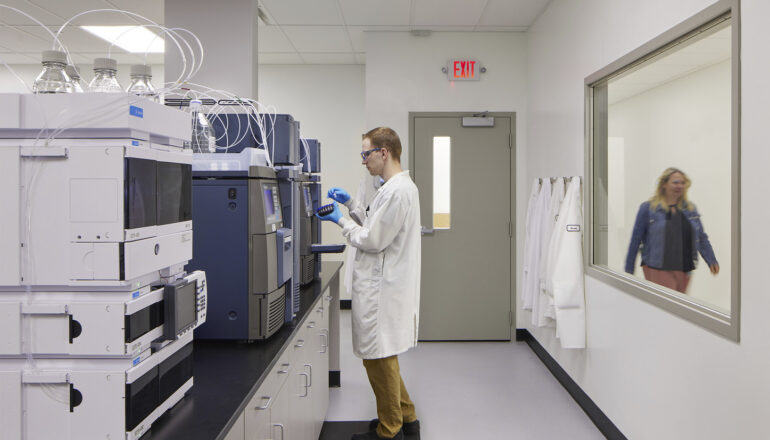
x: 292, y: 401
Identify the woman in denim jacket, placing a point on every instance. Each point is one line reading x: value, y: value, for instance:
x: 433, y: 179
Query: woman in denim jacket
x: 669, y: 230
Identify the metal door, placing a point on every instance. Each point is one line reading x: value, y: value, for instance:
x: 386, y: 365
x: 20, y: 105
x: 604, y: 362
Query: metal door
x: 466, y: 252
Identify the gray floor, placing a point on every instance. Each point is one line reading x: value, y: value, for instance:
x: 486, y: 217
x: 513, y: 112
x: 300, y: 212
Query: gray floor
x: 468, y: 390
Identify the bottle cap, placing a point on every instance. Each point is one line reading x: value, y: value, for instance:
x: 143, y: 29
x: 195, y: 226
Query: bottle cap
x: 141, y: 70
x: 105, y: 63
x: 54, y: 56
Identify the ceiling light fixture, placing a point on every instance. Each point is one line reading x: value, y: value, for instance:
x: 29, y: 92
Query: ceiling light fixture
x: 133, y: 39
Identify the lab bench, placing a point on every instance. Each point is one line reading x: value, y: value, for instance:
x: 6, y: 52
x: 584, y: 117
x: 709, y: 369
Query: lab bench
x: 236, y: 382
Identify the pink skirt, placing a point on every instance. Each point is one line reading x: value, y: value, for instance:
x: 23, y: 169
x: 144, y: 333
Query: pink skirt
x: 673, y: 279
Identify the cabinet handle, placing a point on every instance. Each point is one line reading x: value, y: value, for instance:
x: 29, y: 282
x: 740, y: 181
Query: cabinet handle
x: 286, y: 370
x: 269, y: 399
x: 306, y: 384
x: 300, y: 343
x: 311, y: 375
x: 325, y: 343
x: 311, y: 324
x: 280, y: 426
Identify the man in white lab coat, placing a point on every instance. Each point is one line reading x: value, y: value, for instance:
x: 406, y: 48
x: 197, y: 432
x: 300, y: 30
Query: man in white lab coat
x: 386, y: 280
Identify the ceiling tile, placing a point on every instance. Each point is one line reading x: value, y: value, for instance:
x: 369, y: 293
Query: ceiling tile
x: 22, y: 39
x: 280, y: 58
x: 18, y: 58
x: 299, y: 12
x: 519, y: 13
x: 75, y: 39
x: 447, y: 12
x: 272, y: 39
x: 329, y: 58
x: 68, y: 9
x: 357, y: 37
x: 30, y: 7
x: 152, y: 9
x: 375, y: 12
x: 358, y: 34
x: 318, y: 38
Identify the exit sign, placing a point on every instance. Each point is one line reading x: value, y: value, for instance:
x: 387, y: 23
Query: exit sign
x: 463, y: 70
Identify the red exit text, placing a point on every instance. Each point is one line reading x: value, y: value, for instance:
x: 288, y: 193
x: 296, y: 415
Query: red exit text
x: 463, y: 70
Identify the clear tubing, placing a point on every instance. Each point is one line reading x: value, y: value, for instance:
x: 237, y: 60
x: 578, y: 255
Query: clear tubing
x: 55, y: 36
x: 170, y: 32
x: 307, y: 153
x: 252, y: 105
x: 194, y: 69
x: 13, y: 72
x: 184, y: 59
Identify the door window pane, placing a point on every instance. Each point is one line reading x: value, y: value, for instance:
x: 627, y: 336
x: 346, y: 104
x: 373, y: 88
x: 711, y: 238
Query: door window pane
x: 441, y: 182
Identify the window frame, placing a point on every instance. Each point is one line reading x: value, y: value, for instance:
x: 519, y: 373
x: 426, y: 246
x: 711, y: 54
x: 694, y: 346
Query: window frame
x: 699, y: 313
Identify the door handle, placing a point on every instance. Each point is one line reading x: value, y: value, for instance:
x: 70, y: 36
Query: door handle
x: 267, y: 405
x: 279, y: 425
x: 307, y: 382
x: 310, y: 379
x: 426, y: 231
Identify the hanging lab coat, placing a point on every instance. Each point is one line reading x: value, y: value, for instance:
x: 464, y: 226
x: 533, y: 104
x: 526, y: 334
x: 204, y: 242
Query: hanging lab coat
x: 386, y: 270
x: 526, y: 272
x: 545, y: 308
x: 533, y: 257
x: 544, y: 219
x: 566, y: 270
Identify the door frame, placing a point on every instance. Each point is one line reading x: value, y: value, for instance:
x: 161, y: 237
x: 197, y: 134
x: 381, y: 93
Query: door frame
x: 511, y: 181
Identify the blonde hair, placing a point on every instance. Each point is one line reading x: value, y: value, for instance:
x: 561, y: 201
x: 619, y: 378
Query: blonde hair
x: 659, y: 198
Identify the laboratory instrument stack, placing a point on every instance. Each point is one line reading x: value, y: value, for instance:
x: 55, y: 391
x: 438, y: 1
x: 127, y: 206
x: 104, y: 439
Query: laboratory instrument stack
x: 96, y: 311
x: 237, y: 207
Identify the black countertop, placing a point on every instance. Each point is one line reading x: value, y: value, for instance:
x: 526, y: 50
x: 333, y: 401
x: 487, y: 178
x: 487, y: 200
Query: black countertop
x: 228, y: 373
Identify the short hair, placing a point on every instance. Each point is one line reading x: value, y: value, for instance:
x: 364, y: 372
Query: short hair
x: 385, y: 137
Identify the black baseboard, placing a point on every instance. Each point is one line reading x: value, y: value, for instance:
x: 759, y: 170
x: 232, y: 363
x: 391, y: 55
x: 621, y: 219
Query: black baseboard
x: 345, y: 304
x: 335, y: 379
x: 596, y: 415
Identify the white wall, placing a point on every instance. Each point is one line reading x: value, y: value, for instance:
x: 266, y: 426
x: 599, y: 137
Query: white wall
x: 28, y: 72
x: 329, y: 103
x: 683, y: 123
x: 655, y: 375
x: 403, y: 74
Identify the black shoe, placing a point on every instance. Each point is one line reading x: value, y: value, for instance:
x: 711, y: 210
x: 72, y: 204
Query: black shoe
x: 372, y: 435
x: 409, y: 428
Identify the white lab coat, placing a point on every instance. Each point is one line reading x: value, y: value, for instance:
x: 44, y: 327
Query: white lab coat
x: 386, y: 270
x: 566, y: 270
x: 545, y: 308
x: 532, y: 256
x: 542, y: 220
x: 529, y: 240
x: 367, y: 189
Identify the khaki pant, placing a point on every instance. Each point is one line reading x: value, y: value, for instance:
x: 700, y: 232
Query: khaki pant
x: 394, y: 407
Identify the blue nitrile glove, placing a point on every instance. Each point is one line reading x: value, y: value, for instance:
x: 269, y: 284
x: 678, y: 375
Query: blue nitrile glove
x: 333, y: 216
x: 339, y: 195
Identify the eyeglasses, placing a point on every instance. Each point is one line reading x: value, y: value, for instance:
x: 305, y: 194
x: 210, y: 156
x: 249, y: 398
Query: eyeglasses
x: 365, y: 154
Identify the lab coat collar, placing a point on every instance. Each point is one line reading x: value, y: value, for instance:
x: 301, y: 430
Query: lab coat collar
x: 394, y: 176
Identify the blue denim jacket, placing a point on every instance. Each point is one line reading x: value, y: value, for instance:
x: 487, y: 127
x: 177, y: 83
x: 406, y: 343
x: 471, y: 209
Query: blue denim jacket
x: 650, y: 233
